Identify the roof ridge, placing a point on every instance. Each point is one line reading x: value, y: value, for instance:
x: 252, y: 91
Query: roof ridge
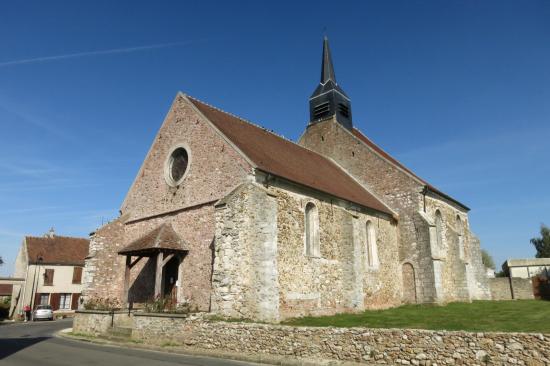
x: 272, y: 132
x: 56, y: 236
x: 243, y: 120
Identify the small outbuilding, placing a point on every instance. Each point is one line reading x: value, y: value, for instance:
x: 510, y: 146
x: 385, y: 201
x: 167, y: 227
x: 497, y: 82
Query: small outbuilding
x: 527, y: 268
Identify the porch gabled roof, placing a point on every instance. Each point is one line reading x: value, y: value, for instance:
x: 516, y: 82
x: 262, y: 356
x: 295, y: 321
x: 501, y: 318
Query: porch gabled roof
x: 161, y: 239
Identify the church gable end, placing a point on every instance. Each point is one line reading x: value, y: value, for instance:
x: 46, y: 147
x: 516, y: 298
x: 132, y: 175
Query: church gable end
x: 189, y: 164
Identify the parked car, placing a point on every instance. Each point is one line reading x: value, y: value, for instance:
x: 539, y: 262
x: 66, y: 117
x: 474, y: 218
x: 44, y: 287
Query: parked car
x: 43, y: 312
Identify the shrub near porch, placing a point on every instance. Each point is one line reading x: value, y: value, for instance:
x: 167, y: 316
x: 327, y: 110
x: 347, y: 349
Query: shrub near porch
x: 478, y: 316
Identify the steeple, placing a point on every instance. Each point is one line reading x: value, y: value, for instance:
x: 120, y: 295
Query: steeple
x: 327, y: 70
x: 329, y: 99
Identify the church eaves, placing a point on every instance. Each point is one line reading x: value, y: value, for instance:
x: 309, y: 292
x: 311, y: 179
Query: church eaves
x: 283, y: 158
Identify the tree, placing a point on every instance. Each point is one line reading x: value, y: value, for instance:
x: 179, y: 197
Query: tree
x: 1, y: 261
x: 486, y: 259
x: 542, y: 244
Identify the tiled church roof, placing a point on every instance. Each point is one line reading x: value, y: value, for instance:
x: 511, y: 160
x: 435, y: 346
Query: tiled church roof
x: 395, y: 162
x: 278, y: 156
x: 57, y: 250
x: 161, y: 238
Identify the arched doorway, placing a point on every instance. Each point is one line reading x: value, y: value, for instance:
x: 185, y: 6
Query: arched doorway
x: 409, y: 284
x: 171, y: 271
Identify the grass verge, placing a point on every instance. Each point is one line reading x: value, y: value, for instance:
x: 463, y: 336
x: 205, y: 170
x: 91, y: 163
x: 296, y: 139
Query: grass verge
x: 478, y: 316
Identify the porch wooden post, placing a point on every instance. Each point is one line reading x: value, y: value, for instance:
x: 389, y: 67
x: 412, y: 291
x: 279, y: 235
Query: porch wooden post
x: 127, y: 279
x: 158, y: 276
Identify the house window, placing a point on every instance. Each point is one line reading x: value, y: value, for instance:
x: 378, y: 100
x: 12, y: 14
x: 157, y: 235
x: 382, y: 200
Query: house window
x: 77, y: 275
x: 312, y: 230
x: 439, y: 231
x: 44, y: 299
x: 48, y: 277
x: 371, y: 246
x: 65, y: 301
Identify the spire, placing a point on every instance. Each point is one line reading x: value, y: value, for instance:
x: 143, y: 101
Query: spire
x: 327, y: 70
x: 329, y: 100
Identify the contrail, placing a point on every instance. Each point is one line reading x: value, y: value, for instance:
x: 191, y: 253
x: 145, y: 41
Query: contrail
x: 92, y: 53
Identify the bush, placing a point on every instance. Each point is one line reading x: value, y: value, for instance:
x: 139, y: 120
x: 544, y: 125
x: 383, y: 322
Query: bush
x: 166, y: 305
x: 105, y: 304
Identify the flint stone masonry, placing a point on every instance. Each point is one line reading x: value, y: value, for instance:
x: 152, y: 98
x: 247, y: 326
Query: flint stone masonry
x: 361, y: 345
x: 260, y: 253
x: 215, y: 168
x: 440, y: 275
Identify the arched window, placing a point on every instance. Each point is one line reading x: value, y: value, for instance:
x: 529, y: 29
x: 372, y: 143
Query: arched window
x: 460, y: 232
x: 371, y: 247
x: 439, y: 231
x: 312, y: 230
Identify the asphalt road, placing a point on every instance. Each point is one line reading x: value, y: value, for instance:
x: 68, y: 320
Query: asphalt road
x: 34, y: 344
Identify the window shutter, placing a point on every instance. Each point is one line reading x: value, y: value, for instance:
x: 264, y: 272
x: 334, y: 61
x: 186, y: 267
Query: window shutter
x: 74, y: 303
x: 77, y: 275
x: 48, y: 277
x: 54, y: 301
x: 36, y: 299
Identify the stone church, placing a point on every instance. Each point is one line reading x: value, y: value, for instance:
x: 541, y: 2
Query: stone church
x: 236, y: 220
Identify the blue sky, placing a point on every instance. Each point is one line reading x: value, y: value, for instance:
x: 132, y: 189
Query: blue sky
x: 459, y: 91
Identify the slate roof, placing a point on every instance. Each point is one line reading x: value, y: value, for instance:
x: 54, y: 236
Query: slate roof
x: 161, y: 238
x: 57, y: 250
x: 283, y: 158
x: 395, y: 162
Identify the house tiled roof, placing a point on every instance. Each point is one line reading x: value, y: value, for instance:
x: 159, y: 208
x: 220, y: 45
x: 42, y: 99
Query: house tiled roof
x: 395, y: 162
x: 5, y: 290
x: 161, y: 238
x: 283, y: 158
x: 57, y: 250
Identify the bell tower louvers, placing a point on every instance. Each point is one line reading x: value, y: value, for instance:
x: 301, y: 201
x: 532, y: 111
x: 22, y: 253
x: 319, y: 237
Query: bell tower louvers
x: 329, y: 99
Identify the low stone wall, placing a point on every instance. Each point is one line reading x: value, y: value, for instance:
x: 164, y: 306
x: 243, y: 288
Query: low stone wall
x: 362, y: 345
x: 522, y: 288
x: 372, y: 346
x: 99, y: 322
x: 505, y: 288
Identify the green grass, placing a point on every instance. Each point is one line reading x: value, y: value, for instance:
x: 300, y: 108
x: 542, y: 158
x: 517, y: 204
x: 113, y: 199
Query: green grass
x: 478, y: 316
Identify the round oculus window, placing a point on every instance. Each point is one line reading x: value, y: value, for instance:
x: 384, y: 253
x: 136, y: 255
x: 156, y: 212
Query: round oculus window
x: 177, y: 165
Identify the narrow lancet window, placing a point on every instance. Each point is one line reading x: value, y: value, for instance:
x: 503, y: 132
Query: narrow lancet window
x: 371, y: 246
x: 312, y: 230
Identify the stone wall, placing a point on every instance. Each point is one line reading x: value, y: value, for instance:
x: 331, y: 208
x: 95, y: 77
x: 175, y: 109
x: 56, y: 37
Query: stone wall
x: 103, y: 274
x: 262, y: 270
x: 340, y: 279
x: 438, y: 278
x: 460, y: 254
x: 506, y: 288
x: 244, y: 281
x: 361, y: 345
x: 97, y: 322
x: 393, y: 186
x: 215, y: 167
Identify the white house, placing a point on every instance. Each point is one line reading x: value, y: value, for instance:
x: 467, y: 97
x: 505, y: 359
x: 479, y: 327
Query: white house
x: 527, y: 268
x: 51, y: 267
